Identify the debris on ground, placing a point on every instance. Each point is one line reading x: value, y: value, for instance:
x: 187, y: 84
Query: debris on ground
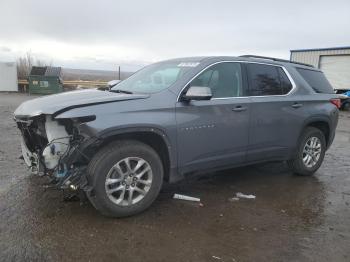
x: 215, y: 257
x: 233, y: 199
x: 201, y: 204
x: 187, y: 198
x: 241, y: 195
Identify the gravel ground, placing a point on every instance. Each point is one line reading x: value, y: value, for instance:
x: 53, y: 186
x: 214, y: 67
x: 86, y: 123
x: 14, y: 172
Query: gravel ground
x: 292, y: 218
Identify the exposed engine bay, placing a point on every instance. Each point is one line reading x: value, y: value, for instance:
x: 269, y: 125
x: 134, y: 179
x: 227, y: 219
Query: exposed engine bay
x: 51, y: 147
x: 57, y: 140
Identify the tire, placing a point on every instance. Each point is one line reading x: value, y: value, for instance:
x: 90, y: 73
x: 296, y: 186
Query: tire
x: 346, y: 106
x: 297, y: 164
x: 119, y: 155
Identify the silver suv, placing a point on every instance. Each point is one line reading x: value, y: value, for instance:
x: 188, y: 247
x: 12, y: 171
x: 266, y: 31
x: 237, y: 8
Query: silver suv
x: 178, y: 117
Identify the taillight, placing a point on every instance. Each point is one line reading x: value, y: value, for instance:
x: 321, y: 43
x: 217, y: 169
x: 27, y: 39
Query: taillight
x: 336, y: 102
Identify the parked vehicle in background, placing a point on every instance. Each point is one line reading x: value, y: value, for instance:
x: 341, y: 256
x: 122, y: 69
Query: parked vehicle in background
x: 110, y: 84
x: 345, y: 101
x: 175, y: 118
x: 113, y: 83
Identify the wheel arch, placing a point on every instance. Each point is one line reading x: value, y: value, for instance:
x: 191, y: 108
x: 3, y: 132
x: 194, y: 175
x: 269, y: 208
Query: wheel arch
x: 154, y: 137
x: 320, y: 122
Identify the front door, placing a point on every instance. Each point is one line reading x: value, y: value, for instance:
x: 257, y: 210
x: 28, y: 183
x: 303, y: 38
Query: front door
x: 214, y: 133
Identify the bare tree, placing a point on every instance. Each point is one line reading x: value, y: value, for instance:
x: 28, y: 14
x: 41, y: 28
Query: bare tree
x: 25, y: 63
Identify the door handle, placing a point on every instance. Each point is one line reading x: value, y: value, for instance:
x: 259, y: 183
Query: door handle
x: 297, y: 105
x: 239, y: 109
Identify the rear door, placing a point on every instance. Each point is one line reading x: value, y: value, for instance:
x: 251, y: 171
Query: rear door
x: 276, y: 117
x: 214, y: 133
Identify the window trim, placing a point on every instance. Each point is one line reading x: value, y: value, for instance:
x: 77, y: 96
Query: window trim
x: 278, y: 74
x: 280, y: 77
x: 243, y: 72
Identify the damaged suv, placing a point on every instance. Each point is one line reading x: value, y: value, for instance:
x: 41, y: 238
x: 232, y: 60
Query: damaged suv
x: 174, y: 118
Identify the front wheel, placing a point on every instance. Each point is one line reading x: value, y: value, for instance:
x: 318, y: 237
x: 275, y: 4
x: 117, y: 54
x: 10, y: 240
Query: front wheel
x: 126, y: 177
x: 310, y: 152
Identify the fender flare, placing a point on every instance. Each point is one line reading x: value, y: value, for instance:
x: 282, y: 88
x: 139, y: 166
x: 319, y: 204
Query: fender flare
x: 317, y: 118
x: 171, y: 146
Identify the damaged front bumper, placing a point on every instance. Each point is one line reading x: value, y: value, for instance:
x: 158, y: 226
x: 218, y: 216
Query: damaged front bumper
x: 30, y: 158
x: 55, y: 148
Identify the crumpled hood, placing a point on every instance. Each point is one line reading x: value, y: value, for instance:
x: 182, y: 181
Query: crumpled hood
x: 64, y: 101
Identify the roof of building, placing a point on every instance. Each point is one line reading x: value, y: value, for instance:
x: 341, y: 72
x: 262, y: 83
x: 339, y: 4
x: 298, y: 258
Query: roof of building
x: 46, y: 71
x: 321, y: 49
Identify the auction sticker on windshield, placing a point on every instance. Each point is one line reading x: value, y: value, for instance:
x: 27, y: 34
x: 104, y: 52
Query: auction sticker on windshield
x: 188, y: 64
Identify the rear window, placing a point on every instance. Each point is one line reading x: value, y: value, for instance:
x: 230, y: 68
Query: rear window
x: 267, y: 80
x: 316, y: 80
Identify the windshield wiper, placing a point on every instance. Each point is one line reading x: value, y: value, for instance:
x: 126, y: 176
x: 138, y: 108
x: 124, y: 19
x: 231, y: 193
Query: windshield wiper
x: 120, y: 91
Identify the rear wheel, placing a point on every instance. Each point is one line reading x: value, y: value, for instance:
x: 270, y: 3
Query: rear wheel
x: 310, y: 152
x: 126, y: 177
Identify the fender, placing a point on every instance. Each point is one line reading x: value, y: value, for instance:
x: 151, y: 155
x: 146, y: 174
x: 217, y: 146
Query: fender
x: 120, y: 130
x: 321, y: 118
x: 316, y: 118
x: 112, y: 131
x: 171, y: 146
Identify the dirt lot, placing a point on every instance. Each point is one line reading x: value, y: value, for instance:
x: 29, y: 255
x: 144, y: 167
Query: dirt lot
x: 292, y: 218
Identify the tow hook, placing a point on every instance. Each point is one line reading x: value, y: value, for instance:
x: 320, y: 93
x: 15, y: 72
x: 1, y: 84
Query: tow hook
x: 75, y: 180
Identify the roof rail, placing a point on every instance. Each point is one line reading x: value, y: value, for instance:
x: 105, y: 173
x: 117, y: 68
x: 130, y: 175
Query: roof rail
x: 275, y: 59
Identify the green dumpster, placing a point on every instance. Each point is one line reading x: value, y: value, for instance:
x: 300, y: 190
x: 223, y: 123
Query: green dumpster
x: 45, y: 80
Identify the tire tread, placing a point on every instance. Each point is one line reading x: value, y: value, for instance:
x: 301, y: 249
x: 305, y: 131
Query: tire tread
x: 296, y: 164
x: 94, y: 165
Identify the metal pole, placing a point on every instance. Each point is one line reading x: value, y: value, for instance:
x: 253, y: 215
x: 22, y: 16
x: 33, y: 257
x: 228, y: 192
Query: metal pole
x: 118, y: 72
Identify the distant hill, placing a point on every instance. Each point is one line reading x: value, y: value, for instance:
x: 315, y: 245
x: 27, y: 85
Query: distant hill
x: 92, y: 75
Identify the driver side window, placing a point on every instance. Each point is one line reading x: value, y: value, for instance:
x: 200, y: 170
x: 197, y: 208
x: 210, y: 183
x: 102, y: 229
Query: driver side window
x: 224, y: 80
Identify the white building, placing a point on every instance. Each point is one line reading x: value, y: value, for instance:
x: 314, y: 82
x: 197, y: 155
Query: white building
x: 334, y: 62
x: 8, y: 76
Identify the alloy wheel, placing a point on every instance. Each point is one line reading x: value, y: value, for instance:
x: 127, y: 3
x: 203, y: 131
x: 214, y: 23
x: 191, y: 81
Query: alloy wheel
x: 312, y: 151
x: 128, y: 181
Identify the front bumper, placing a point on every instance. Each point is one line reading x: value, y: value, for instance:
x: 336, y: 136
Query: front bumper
x: 31, y: 159
x: 50, y: 148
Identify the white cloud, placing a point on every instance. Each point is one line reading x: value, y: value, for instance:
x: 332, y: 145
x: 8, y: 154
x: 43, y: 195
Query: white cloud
x: 104, y: 33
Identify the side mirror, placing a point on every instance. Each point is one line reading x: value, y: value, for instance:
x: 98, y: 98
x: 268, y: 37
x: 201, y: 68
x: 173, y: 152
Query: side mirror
x: 198, y: 93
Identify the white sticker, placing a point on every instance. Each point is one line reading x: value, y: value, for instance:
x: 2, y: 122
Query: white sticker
x: 188, y: 64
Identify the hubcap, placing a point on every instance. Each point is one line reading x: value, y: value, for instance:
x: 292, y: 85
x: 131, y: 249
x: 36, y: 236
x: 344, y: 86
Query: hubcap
x: 128, y: 181
x: 312, y: 151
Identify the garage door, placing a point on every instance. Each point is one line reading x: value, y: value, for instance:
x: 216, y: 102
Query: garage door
x: 337, y: 70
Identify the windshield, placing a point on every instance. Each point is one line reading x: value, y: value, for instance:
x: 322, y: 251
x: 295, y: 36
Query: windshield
x: 154, y: 78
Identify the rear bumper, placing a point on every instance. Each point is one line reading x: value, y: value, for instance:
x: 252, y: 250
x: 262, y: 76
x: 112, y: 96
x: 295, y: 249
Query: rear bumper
x: 331, y: 139
x: 333, y: 127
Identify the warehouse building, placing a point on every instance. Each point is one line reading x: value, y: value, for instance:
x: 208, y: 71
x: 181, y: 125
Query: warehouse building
x: 334, y: 62
x: 8, y: 77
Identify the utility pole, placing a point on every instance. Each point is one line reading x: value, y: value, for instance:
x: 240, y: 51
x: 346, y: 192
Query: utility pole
x: 118, y: 72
